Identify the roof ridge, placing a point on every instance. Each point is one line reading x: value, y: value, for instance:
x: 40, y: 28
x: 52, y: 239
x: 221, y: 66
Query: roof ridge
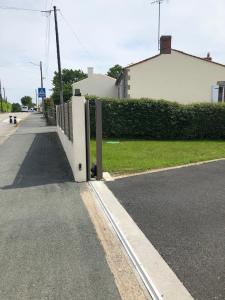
x: 182, y: 52
x: 198, y: 57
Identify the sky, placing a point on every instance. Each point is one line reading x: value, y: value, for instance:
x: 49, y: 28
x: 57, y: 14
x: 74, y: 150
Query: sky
x: 100, y: 34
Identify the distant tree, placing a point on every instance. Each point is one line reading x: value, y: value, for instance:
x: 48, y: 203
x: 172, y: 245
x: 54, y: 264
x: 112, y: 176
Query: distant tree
x: 49, y: 104
x: 26, y: 101
x: 69, y: 76
x: 16, y: 107
x: 115, y: 71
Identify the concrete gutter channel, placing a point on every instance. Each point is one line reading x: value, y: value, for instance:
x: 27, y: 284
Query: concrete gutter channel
x: 160, y: 281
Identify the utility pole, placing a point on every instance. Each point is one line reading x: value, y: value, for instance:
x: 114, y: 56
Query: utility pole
x: 41, y: 71
x: 41, y: 74
x: 42, y: 78
x: 159, y: 20
x: 58, y: 56
x: 1, y: 96
x: 4, y: 97
x: 36, y: 94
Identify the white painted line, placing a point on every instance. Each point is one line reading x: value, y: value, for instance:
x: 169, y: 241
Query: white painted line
x: 159, y: 279
x: 167, y: 169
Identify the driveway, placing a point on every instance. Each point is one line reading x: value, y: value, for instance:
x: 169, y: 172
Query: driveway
x: 182, y: 213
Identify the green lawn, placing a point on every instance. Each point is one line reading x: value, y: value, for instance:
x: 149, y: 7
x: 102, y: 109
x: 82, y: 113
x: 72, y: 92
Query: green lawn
x: 135, y: 156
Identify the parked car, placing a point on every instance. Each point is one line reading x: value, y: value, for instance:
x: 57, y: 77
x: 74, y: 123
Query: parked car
x: 24, y: 108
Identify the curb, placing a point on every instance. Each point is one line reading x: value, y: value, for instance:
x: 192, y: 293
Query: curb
x: 112, y: 178
x: 160, y: 281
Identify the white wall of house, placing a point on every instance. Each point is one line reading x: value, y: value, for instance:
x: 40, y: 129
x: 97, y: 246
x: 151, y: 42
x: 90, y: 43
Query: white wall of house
x: 174, y: 77
x: 97, y: 85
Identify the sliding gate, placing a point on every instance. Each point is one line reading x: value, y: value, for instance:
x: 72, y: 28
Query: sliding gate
x: 73, y: 127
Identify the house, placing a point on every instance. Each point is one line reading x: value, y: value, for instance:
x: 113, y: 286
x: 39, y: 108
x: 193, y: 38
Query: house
x: 175, y: 76
x: 97, y: 85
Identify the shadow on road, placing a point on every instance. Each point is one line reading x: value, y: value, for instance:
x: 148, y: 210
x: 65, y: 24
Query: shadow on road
x: 45, y: 163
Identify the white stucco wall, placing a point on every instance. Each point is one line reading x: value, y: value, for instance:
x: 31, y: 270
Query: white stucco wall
x: 97, y: 85
x: 76, y: 150
x: 174, y: 77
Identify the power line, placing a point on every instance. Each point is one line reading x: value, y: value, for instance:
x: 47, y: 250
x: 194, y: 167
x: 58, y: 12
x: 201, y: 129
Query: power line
x: 74, y: 33
x: 19, y: 8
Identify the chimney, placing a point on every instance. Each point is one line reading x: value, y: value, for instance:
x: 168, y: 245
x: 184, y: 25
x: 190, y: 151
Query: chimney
x: 165, y: 44
x: 90, y: 71
x: 209, y: 58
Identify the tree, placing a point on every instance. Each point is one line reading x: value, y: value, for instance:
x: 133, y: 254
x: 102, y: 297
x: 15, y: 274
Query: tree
x: 26, y: 101
x: 115, y: 71
x: 69, y: 76
x: 16, y: 107
x: 49, y: 104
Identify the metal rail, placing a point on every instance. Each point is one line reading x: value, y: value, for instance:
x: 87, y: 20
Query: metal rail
x: 138, y: 266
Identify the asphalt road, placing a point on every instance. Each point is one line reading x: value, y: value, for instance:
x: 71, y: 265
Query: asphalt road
x: 182, y: 213
x: 48, y: 245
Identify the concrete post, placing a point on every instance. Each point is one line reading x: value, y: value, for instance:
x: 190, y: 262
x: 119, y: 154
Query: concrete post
x: 79, y: 139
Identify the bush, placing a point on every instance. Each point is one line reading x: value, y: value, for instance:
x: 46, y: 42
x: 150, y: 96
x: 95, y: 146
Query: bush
x: 16, y: 107
x: 159, y: 119
x: 7, y: 107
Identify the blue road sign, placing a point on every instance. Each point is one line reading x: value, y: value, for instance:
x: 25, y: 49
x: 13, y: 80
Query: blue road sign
x: 41, y: 93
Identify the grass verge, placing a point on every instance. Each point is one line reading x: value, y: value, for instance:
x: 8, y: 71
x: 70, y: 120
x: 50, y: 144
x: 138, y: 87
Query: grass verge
x: 130, y: 156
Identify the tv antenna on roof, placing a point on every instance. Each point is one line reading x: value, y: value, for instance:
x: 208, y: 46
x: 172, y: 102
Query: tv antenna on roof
x: 159, y: 2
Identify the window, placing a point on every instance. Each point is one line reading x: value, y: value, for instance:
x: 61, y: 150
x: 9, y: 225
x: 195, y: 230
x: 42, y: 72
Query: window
x: 221, y: 96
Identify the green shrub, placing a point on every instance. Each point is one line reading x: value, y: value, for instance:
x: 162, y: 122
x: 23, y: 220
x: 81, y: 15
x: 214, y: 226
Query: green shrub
x: 159, y: 119
x: 7, y: 107
x: 16, y: 107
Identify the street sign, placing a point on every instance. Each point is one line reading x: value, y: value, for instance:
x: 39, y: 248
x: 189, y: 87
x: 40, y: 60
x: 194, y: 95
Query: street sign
x: 41, y: 93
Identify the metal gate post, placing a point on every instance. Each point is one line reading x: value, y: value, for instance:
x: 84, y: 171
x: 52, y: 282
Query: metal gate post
x: 98, y: 114
x: 87, y: 121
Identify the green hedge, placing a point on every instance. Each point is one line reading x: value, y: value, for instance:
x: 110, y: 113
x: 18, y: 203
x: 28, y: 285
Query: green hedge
x: 159, y: 119
x: 7, y: 107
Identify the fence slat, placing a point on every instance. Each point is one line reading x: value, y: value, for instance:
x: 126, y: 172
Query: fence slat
x: 65, y: 120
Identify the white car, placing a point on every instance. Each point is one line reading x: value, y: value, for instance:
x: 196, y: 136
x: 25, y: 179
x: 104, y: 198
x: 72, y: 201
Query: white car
x: 24, y: 109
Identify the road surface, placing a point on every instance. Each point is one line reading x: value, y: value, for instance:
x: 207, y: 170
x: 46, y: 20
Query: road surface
x: 5, y: 128
x: 48, y: 245
x: 182, y: 213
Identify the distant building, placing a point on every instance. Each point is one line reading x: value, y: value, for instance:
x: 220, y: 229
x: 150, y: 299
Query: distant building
x: 97, y: 85
x: 175, y: 76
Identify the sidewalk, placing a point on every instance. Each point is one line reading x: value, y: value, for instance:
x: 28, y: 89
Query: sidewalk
x: 48, y: 245
x: 5, y: 128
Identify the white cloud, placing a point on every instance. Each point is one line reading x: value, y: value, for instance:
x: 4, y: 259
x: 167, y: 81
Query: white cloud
x: 110, y: 32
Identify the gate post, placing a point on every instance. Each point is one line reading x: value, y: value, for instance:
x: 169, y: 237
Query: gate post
x: 88, y: 159
x: 79, y: 139
x: 98, y: 114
